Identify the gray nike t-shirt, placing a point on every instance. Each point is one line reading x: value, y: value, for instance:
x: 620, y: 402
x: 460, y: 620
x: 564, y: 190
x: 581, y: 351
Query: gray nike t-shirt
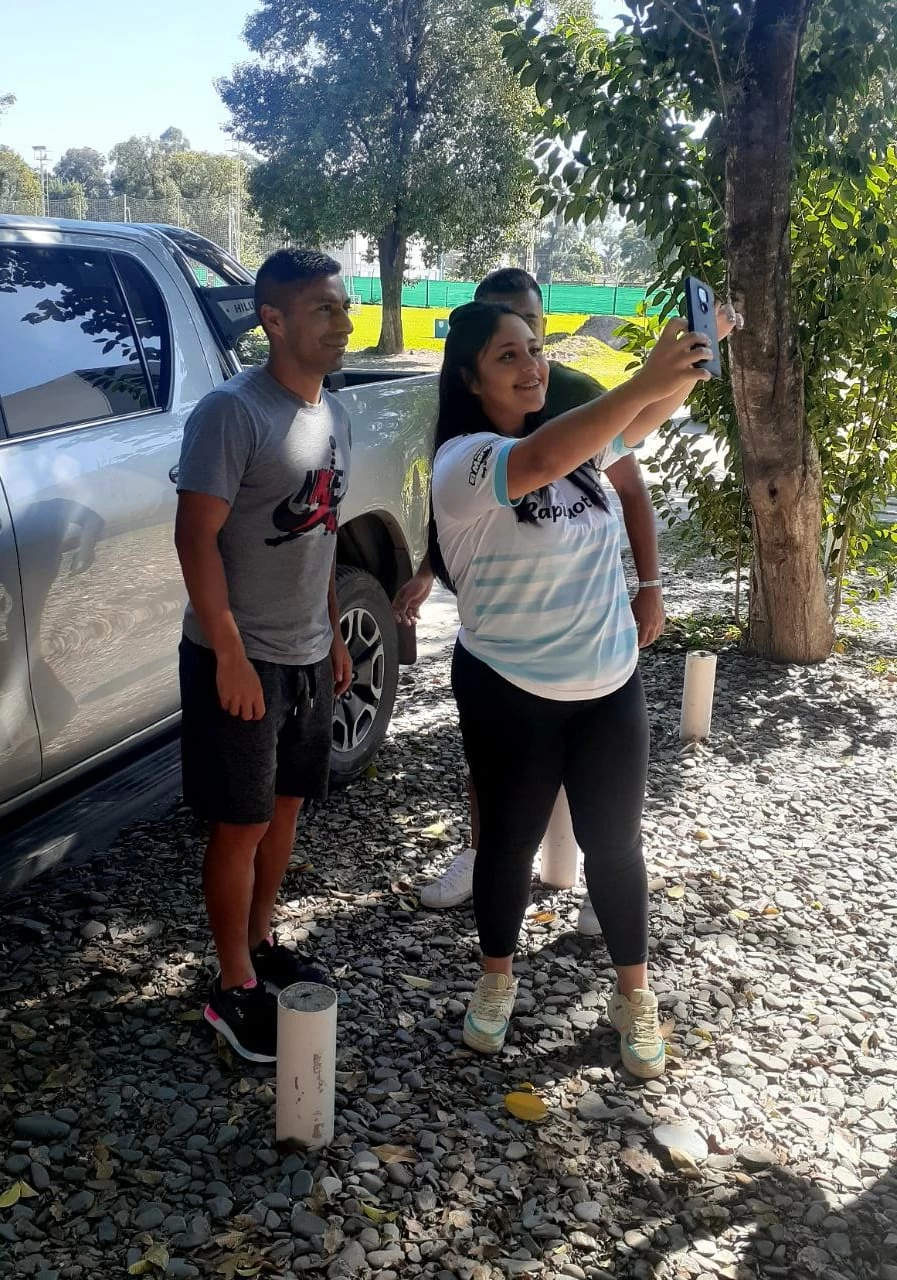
x: 283, y: 466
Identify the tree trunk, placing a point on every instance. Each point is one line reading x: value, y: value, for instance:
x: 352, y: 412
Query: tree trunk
x: 789, y: 619
x: 391, y: 246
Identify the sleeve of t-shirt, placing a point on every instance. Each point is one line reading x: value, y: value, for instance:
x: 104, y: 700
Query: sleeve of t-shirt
x: 611, y: 453
x: 470, y: 475
x: 218, y: 447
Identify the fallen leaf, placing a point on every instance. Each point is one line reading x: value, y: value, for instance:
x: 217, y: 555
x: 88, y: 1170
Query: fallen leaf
x: 333, y: 1238
x: 526, y: 1106
x: 155, y: 1256
x: 192, y: 1015
x: 716, y: 1147
x: 676, y: 891
x: 229, y: 1240
x: 103, y: 1163
x: 683, y: 1161
x: 701, y: 834
x: 377, y: 1215
x: 371, y: 771
x: 702, y: 1034
x: 395, y: 1155
x: 459, y: 1218
x: 543, y: 917
x: 640, y: 1162
x: 434, y: 830
x: 738, y: 913
x: 419, y: 984
x: 12, y: 1195
x: 770, y: 910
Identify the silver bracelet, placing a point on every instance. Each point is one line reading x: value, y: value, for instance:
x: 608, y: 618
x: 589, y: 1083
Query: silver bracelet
x: 654, y: 582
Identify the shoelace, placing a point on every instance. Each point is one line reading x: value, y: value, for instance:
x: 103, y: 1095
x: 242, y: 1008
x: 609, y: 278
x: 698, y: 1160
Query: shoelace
x: 644, y: 1033
x: 459, y: 870
x: 492, y: 1004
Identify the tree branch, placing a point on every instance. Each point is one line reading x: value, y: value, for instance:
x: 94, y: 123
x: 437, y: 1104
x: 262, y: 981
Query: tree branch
x: 667, y: 4
x: 716, y: 62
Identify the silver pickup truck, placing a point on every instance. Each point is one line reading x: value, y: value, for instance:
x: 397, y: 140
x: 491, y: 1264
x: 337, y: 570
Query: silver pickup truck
x: 109, y: 334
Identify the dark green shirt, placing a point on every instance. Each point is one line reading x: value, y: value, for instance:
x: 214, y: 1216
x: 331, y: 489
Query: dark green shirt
x: 568, y: 388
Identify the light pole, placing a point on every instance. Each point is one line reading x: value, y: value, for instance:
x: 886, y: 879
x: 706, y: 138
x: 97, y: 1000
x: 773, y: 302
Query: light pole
x: 235, y: 221
x: 40, y: 163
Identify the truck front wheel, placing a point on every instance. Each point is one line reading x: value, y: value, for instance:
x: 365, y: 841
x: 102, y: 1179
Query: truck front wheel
x: 361, y: 716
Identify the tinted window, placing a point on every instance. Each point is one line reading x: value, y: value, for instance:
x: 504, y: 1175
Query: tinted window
x: 67, y: 350
x: 150, y: 321
x: 205, y: 274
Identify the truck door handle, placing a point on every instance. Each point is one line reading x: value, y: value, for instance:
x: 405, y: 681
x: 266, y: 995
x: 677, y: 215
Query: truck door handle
x: 173, y: 475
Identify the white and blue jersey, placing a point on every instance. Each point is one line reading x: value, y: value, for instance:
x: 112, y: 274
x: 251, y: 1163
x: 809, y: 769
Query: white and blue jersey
x: 544, y: 603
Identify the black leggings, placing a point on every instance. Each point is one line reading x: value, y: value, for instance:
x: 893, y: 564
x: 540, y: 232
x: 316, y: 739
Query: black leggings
x: 520, y: 749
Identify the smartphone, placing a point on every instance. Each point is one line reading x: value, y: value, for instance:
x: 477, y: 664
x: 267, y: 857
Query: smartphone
x: 700, y: 308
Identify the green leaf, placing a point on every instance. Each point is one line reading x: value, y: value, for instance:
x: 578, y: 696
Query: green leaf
x: 530, y: 75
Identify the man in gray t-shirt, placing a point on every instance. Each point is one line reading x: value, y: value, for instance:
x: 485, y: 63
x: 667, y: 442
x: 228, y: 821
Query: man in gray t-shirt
x: 264, y: 466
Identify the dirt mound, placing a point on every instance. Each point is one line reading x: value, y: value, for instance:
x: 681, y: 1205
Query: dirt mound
x: 602, y: 327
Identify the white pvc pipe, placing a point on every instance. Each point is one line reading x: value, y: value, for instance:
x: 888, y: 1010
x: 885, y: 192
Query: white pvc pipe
x: 560, y: 852
x: 697, y: 696
x: 306, y: 1064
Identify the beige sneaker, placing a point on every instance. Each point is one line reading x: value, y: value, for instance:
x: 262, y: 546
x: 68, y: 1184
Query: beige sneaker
x: 641, y: 1044
x: 489, y: 1013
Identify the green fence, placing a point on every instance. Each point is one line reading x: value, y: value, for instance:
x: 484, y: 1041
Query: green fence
x: 570, y: 299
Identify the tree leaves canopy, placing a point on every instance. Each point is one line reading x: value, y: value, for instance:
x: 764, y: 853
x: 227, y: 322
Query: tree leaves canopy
x: 382, y: 113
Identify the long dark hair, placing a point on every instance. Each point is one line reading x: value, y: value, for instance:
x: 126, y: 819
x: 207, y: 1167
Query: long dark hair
x: 461, y: 413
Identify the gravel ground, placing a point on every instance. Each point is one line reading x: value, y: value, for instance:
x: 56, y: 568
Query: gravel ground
x: 130, y: 1137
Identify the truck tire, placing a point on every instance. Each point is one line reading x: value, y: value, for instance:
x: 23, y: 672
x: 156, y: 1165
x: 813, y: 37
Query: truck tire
x: 361, y: 716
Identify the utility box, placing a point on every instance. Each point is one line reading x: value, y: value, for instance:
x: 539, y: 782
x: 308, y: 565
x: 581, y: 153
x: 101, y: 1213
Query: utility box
x: 440, y: 329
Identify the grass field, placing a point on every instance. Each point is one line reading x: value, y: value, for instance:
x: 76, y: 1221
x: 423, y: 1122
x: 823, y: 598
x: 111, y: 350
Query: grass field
x: 419, y: 324
x: 587, y: 354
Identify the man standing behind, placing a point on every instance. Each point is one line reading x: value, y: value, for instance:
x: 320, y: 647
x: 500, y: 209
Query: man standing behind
x: 567, y: 388
x: 264, y: 466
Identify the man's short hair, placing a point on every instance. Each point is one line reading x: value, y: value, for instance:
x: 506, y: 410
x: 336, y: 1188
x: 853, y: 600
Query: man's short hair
x: 505, y: 282
x: 289, y: 269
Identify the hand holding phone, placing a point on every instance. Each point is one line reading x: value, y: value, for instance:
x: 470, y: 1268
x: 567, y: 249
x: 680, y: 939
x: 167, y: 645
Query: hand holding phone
x: 700, y: 308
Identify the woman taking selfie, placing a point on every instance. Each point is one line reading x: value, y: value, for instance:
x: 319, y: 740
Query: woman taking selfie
x: 545, y: 669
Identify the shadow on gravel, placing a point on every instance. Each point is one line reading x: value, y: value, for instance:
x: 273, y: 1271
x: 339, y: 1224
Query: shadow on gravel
x: 794, y: 1226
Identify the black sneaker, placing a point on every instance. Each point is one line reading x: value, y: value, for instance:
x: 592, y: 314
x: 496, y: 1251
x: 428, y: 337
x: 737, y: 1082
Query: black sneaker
x: 278, y: 966
x: 247, y: 1018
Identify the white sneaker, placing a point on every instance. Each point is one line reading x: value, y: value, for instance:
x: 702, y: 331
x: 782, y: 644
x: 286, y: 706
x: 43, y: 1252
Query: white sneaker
x: 588, y: 921
x: 641, y: 1044
x: 489, y: 1012
x: 454, y: 886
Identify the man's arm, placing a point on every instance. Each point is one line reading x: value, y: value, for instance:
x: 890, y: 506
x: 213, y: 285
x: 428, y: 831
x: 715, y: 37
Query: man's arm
x: 410, y: 597
x: 641, y: 527
x: 200, y: 518
x: 339, y: 654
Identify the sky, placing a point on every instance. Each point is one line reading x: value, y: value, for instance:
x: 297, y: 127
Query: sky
x: 90, y: 73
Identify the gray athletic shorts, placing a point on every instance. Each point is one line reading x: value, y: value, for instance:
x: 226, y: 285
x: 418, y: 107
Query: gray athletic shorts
x: 233, y: 768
